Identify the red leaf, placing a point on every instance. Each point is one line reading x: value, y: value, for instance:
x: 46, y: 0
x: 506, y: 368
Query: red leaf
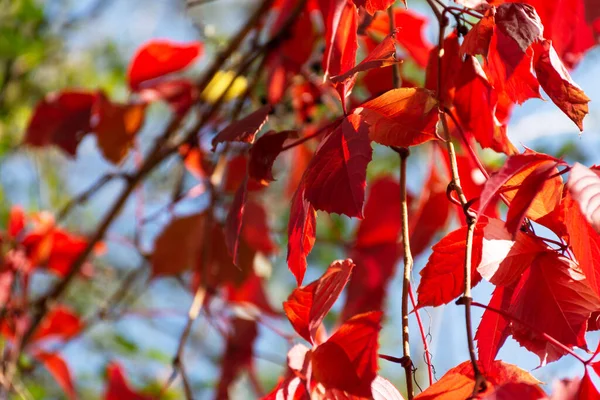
x: 180, y: 94
x: 307, y: 306
x: 584, y: 241
x: 62, y: 119
x: 335, y: 179
x: 59, y: 369
x: 520, y: 22
x: 410, y: 34
x: 451, y: 62
x: 442, y: 279
x: 61, y: 323
x: 347, y: 361
x: 557, y: 83
x: 238, y: 354
x: 477, y: 41
x: 245, y: 129
x: 382, y: 55
x: 372, y: 6
x: 118, y: 389
x: 302, y: 229
x: 115, y: 126
x: 505, y: 257
x: 584, y: 186
x: 375, y: 250
x: 587, y: 389
x: 160, y: 57
x: 16, y: 221
x: 556, y: 299
x: 255, y: 229
x: 401, y: 117
x: 458, y: 382
x: 250, y: 292
x: 518, y: 390
x: 493, y: 328
x: 475, y: 100
x: 263, y: 154
x: 177, y: 248
x: 340, y: 37
x: 233, y: 223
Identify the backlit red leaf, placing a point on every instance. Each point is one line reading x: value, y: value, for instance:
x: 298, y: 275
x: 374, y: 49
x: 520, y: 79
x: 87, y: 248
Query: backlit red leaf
x: 477, y: 41
x: 341, y: 38
x: 302, y: 229
x: 61, y: 119
x: 451, y: 62
x: 263, y: 154
x: 233, y: 223
x: 245, y: 129
x: 401, y: 117
x: 517, y: 390
x: 59, y: 370
x: 307, y: 306
x: 493, y: 328
x: 157, y: 58
x: 347, y: 361
x: 60, y: 323
x: 442, y: 278
x: 16, y: 221
x: 372, y: 6
x: 178, y: 246
x: 335, y: 179
x: 118, y: 388
x: 255, y: 228
x: 557, y: 83
x: 584, y: 186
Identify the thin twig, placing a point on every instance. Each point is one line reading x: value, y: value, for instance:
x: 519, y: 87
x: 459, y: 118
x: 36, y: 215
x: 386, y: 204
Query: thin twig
x: 423, y: 337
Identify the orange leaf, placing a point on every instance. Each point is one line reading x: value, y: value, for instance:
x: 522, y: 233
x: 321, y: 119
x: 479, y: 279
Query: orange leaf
x: 401, y: 117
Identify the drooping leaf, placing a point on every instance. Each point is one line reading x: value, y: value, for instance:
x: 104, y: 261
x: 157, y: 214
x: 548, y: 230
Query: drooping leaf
x: 477, y: 41
x: 118, y: 388
x: 178, y: 246
x: 115, y: 126
x: 157, y: 58
x: 263, y: 154
x: 302, y: 229
x: 233, y: 223
x: 442, y: 278
x: 520, y: 22
x: 59, y: 370
x: 494, y: 327
x: 307, y: 306
x: 61, y: 119
x: 341, y: 40
x: 245, y: 129
x: 458, y: 382
x: 557, y: 83
x: 401, y: 117
x: 335, y: 179
x: 347, y: 361
x: 451, y: 62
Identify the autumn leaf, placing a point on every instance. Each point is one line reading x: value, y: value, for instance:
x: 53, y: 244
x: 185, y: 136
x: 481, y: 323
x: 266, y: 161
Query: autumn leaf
x: 584, y: 185
x: 115, y: 126
x: 335, y: 179
x: 61, y: 119
x: 494, y: 328
x: 372, y: 6
x: 401, y: 117
x: 16, y: 221
x: 59, y: 370
x: 477, y: 40
x: 250, y: 292
x: 451, y: 62
x: 263, y: 154
x: 557, y: 83
x: 341, y: 40
x: 118, y: 388
x: 520, y: 22
x: 178, y: 246
x: 442, y: 278
x: 459, y: 381
x: 60, y: 323
x: 233, y: 223
x: 255, y: 228
x: 517, y: 390
x: 307, y: 306
x: 179, y: 94
x: 245, y: 129
x: 302, y: 229
x: 157, y: 58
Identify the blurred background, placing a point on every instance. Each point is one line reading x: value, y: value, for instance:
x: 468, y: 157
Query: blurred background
x: 54, y: 44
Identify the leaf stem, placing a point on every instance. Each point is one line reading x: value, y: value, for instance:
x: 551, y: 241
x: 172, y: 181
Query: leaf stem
x: 423, y: 337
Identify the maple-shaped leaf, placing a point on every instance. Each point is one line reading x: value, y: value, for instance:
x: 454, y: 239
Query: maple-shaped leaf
x: 494, y: 328
x: 584, y: 241
x: 505, y: 257
x: 557, y: 83
x: 307, y: 306
x: 459, y: 381
x: 375, y: 249
x: 556, y: 299
x: 335, y: 179
x: 442, y: 278
x: 238, y: 354
x: 179, y: 94
x: 517, y: 390
x: 115, y: 126
x: 61, y: 119
x: 347, y: 361
x: 382, y: 55
x: 584, y: 186
x: 302, y: 229
x: 401, y: 117
x: 475, y: 101
x: 118, y: 388
x: 515, y: 170
x: 245, y: 129
x: 263, y: 154
x: 178, y: 246
x: 59, y: 370
x: 432, y: 213
x: 410, y: 33
x: 451, y: 62
x: 233, y: 223
x: 157, y: 58
x: 341, y: 41
x: 372, y: 6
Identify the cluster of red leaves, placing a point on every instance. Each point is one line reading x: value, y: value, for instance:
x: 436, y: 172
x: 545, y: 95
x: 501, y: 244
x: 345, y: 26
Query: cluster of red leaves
x: 544, y: 288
